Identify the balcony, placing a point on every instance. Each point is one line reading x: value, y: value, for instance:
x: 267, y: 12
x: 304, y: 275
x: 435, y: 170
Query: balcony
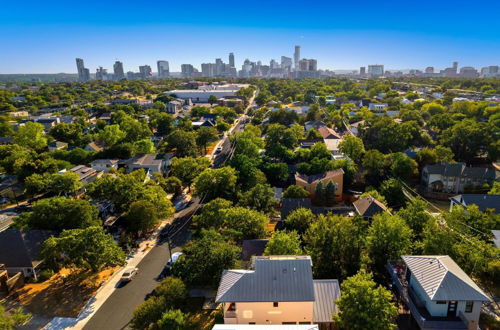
x: 417, y: 307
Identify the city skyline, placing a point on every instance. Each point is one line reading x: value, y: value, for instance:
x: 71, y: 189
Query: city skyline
x: 45, y: 38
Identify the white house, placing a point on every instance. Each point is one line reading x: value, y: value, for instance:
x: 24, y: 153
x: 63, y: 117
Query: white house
x: 104, y: 165
x: 277, y: 290
x: 438, y: 292
x: 377, y: 106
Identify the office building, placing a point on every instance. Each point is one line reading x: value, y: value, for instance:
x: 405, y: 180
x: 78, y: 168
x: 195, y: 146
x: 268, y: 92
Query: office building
x: 286, y: 63
x: 187, y: 70
x: 231, y: 60
x: 101, y: 74
x: 362, y: 71
x: 208, y: 69
x: 83, y: 73
x: 429, y: 69
x: 296, y: 57
x: 163, y: 69
x: 490, y: 71
x: 450, y: 72
x: 308, y: 68
x: 375, y: 70
x: 118, y: 71
x: 145, y: 71
x: 468, y: 72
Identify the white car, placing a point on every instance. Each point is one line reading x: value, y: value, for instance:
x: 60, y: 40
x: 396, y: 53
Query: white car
x: 128, y: 274
x: 175, y: 256
x: 218, y: 150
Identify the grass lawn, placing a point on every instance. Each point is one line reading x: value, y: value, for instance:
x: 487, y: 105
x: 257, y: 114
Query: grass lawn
x: 199, y: 319
x: 62, y: 295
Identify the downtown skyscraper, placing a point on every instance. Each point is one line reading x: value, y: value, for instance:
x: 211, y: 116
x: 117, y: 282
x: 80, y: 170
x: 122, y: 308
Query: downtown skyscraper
x: 118, y: 73
x: 163, y: 69
x: 83, y: 72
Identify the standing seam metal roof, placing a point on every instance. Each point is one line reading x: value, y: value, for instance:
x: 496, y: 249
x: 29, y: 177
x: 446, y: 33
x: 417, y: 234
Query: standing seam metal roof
x: 442, y: 279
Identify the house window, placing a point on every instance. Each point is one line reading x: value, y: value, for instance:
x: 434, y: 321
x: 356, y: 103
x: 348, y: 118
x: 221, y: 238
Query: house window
x: 275, y: 304
x: 468, y: 306
x: 441, y: 302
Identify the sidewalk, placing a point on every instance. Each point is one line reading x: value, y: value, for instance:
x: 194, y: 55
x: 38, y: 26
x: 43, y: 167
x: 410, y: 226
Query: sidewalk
x: 108, y: 287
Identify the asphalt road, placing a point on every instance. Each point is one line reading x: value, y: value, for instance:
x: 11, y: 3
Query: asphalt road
x: 117, y: 311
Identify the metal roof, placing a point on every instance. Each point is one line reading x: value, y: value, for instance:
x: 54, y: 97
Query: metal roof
x: 442, y: 279
x: 483, y: 201
x: 325, y: 292
x: 274, y: 279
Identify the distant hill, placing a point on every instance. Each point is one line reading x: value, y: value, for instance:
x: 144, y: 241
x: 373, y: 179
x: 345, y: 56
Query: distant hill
x: 33, y: 77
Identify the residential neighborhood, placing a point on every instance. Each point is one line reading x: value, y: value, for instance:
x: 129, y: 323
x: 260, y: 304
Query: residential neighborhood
x: 249, y: 204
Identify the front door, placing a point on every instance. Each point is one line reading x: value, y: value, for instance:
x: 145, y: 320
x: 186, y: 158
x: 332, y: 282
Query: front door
x: 452, y: 308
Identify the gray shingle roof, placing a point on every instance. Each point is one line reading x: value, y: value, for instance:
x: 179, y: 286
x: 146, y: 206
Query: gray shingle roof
x: 483, y: 201
x: 369, y: 206
x: 460, y: 170
x: 272, y: 280
x: 442, y: 279
x: 326, y: 292
x: 21, y: 248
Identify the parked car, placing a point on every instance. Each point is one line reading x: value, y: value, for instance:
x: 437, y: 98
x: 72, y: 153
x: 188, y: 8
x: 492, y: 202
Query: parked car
x: 175, y: 256
x: 218, y: 150
x: 128, y: 274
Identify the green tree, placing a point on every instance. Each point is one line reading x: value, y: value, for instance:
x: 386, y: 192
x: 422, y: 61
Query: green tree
x: 58, y: 213
x: 172, y: 319
x: 183, y: 142
x: 212, y: 99
x: 148, y: 313
x: 283, y: 243
x: 389, y: 237
x: 37, y: 183
x: 495, y: 189
x: 65, y: 183
x: 352, y: 147
x: 205, y: 258
x: 416, y: 216
x: 364, y: 305
x: 245, y: 223
x: 89, y: 249
x: 145, y: 146
x: 300, y: 220
x: 313, y: 134
x: 334, y: 244
x: 31, y: 135
x: 276, y: 173
x: 69, y: 133
x: 295, y: 191
x: 173, y: 290
x: 164, y: 123
x: 188, y: 168
x: 467, y: 138
x: 172, y: 185
x: 141, y: 217
x: 392, y: 190
x: 211, y: 215
x: 403, y: 166
x: 111, y: 135
x: 213, y: 183
x: 374, y: 165
x: 330, y: 189
x: 11, y: 320
x: 260, y: 198
x: 319, y: 194
x: 206, y: 135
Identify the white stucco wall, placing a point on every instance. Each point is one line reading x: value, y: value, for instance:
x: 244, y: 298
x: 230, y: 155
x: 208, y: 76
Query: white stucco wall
x: 265, y: 313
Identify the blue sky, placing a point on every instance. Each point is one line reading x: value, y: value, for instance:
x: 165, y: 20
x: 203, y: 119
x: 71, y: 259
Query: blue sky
x: 46, y: 36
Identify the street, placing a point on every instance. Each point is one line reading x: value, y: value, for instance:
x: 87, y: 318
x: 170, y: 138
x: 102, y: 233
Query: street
x: 117, y: 311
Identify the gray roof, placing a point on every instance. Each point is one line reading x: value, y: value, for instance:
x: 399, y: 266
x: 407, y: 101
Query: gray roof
x: 483, y: 201
x: 369, y: 206
x: 274, y: 279
x: 326, y: 292
x: 442, y: 279
x: 460, y: 170
x: 292, y: 204
x: 21, y: 248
